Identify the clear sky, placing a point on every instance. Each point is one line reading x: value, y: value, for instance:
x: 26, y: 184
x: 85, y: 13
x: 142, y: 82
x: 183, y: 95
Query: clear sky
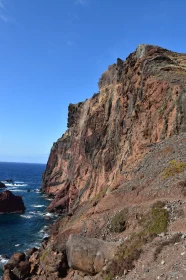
x: 52, y: 53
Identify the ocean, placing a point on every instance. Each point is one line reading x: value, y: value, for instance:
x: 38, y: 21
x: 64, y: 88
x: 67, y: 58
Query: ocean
x: 19, y: 232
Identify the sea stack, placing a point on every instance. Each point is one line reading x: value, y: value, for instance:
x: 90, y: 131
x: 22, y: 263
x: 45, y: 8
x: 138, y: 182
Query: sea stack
x: 9, y: 203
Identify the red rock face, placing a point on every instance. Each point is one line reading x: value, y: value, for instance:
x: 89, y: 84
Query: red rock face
x: 141, y: 101
x: 10, y: 203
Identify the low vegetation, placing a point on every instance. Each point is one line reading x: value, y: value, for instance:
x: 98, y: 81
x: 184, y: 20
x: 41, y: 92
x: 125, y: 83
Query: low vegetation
x: 174, y: 167
x: 153, y: 223
x: 118, y: 222
x: 157, y: 220
x: 108, y: 277
x: 42, y: 258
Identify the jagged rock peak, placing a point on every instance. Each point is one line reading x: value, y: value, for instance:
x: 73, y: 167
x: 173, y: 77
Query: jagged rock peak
x: 142, y: 49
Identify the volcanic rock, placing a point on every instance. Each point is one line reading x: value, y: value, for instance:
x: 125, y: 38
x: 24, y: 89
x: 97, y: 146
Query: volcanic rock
x: 89, y: 254
x: 9, y: 203
x: 22, y: 270
x: 29, y: 252
x: 2, y: 186
x: 8, y: 275
x: 140, y: 101
x: 15, y: 259
x: 123, y: 157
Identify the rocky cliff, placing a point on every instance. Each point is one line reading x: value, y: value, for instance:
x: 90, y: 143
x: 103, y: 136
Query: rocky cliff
x: 141, y: 101
x: 119, y: 174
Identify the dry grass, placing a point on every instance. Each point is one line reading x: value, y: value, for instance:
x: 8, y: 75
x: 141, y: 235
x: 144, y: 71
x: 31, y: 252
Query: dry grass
x: 174, y: 167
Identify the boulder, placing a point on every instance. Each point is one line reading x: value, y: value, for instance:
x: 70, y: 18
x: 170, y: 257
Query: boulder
x: 9, y: 203
x: 2, y: 186
x: 22, y: 270
x: 15, y: 259
x: 8, y: 275
x: 29, y: 252
x: 89, y: 254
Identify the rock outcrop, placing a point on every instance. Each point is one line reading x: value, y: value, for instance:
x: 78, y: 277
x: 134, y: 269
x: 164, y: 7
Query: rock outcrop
x: 89, y: 254
x: 2, y: 185
x: 119, y: 174
x: 141, y: 101
x: 9, y: 203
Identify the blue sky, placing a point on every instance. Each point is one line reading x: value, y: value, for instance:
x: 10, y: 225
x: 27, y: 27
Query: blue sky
x: 52, y: 53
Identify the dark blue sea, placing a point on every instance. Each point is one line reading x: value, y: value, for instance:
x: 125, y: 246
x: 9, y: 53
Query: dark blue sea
x: 19, y: 232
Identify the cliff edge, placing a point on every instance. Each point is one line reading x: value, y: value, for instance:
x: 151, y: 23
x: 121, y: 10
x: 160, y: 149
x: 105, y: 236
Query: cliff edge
x: 141, y: 101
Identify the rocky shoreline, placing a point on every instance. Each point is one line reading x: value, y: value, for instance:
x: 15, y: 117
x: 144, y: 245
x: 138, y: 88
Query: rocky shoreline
x: 118, y: 176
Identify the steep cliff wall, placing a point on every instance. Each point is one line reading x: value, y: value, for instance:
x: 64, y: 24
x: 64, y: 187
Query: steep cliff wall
x: 120, y: 173
x: 141, y: 101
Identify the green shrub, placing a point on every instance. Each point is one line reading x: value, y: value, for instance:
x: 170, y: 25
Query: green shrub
x: 158, y: 221
x: 153, y: 223
x: 108, y: 277
x: 174, y: 167
x: 44, y: 255
x: 126, y: 255
x: 118, y: 222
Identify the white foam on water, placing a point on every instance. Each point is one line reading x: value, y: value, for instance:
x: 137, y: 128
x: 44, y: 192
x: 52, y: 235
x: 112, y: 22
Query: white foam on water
x: 37, y: 190
x: 17, y: 245
x: 3, y: 260
x: 38, y: 206
x: 35, y: 213
x: 49, y: 214
x: 20, y: 185
x: 36, y: 245
x: 45, y: 235
x: 27, y: 216
x: 15, y: 185
x: 17, y: 190
x: 47, y: 197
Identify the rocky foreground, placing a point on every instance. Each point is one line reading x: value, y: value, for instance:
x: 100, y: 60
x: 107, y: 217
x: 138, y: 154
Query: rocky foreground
x: 118, y: 177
